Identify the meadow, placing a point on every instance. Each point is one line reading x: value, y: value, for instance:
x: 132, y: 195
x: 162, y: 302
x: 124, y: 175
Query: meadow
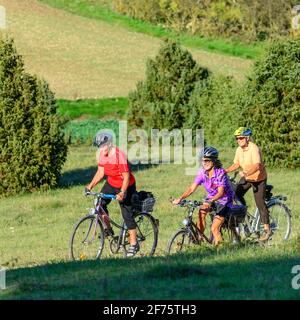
x: 36, y: 228
x: 86, y: 58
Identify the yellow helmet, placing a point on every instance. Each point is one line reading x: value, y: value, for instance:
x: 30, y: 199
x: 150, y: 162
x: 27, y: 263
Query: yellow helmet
x: 243, y: 131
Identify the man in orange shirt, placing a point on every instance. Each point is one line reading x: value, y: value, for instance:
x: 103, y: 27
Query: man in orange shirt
x: 248, y: 156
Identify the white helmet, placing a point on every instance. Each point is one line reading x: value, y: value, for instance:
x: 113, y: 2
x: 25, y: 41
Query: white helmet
x: 102, y: 138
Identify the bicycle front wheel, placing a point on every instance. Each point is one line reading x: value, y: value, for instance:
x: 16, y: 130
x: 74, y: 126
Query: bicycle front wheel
x: 87, y: 240
x: 280, y: 221
x: 147, y: 234
x: 180, y: 242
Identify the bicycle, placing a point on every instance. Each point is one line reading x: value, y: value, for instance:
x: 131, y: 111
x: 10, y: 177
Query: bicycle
x: 88, y: 238
x: 279, y: 212
x: 190, y: 234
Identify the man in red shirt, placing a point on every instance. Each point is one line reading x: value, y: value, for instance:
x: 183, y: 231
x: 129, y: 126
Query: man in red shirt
x: 120, y: 181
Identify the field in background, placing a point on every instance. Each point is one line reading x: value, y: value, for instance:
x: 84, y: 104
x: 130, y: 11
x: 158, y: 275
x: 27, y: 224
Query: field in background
x: 35, y: 231
x: 93, y: 108
x: 102, y: 10
x: 87, y: 58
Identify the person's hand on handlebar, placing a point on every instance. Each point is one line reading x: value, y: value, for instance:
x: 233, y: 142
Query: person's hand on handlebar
x: 86, y: 190
x: 176, y: 201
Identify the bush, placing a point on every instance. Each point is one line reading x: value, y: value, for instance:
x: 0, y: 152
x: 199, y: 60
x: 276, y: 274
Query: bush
x: 247, y: 20
x: 31, y: 140
x: 161, y: 100
x: 85, y: 131
x: 272, y: 104
x: 214, y: 108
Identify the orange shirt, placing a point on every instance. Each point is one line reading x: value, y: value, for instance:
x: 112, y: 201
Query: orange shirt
x: 246, y: 157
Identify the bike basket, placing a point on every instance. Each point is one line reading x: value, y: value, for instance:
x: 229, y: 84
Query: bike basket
x: 143, y: 201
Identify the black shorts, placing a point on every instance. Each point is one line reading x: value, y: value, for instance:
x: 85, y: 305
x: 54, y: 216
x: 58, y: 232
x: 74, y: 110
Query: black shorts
x: 221, y: 210
x: 125, y: 205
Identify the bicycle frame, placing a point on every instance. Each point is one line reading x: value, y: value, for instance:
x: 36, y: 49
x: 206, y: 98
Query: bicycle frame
x: 99, y: 211
x: 191, y: 227
x: 255, y: 217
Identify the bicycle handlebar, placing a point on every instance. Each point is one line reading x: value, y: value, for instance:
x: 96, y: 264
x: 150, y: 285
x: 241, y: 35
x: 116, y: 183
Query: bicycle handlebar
x: 100, y: 195
x: 188, y: 203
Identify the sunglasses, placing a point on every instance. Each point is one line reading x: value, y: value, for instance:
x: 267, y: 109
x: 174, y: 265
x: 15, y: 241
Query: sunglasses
x: 240, y: 138
x: 206, y: 161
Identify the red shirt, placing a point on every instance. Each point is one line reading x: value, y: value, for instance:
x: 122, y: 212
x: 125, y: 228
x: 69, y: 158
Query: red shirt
x: 114, y: 166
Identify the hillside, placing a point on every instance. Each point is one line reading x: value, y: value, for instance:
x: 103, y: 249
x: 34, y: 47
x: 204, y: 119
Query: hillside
x: 85, y: 58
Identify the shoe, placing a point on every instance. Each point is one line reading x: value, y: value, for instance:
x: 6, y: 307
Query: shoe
x: 109, y: 232
x: 265, y: 236
x: 132, y: 250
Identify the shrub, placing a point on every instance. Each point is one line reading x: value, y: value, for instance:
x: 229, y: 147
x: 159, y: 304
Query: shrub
x: 272, y: 103
x: 161, y: 100
x: 214, y: 108
x: 247, y: 20
x: 31, y: 140
x: 84, y: 131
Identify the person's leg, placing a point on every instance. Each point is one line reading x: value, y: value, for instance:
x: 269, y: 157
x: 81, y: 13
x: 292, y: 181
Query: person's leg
x: 108, y: 189
x: 259, y: 191
x: 242, y: 187
x: 215, y: 228
x: 201, y: 223
x: 127, y: 214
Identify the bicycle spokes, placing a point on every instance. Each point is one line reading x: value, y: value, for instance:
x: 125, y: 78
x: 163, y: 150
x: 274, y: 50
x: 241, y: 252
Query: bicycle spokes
x: 87, y: 239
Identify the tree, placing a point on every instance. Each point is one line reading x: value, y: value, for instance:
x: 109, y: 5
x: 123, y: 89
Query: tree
x: 32, y: 144
x: 161, y: 101
x: 271, y: 106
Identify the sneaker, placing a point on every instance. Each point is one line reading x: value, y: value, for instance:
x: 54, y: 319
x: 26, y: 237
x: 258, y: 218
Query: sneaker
x: 132, y: 250
x: 265, y: 236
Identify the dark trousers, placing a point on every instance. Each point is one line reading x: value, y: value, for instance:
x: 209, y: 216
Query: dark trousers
x: 125, y: 204
x: 259, y: 191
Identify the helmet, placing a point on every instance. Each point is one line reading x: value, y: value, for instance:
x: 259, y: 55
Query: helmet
x: 102, y: 138
x: 210, y: 152
x: 243, y: 131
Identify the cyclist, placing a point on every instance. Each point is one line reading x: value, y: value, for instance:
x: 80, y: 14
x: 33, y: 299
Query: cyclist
x: 248, y: 156
x: 120, y: 182
x: 219, y: 192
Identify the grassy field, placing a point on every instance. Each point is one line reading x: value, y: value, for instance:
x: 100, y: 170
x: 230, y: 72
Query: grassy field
x: 35, y: 231
x: 100, y: 10
x: 82, y: 57
x: 113, y: 108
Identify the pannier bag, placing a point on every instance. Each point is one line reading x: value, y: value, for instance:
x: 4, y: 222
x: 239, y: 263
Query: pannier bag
x: 236, y: 214
x: 143, y: 201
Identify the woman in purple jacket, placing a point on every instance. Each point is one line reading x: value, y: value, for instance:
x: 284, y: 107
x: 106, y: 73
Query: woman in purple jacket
x: 219, y: 192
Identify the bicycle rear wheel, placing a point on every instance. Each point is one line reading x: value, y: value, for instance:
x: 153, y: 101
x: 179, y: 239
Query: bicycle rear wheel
x: 147, y: 234
x: 180, y: 242
x: 87, y: 240
x: 280, y: 220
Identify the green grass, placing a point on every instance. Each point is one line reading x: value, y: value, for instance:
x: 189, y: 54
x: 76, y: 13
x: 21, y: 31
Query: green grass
x: 35, y: 231
x: 93, y: 108
x: 96, y: 10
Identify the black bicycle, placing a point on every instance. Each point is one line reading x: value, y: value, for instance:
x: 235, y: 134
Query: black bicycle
x: 279, y: 212
x: 190, y: 235
x: 88, y: 238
